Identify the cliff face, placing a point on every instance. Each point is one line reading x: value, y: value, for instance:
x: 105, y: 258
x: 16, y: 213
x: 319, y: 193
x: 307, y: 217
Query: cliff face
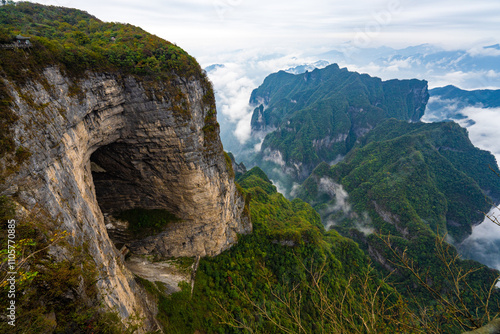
x: 150, y: 146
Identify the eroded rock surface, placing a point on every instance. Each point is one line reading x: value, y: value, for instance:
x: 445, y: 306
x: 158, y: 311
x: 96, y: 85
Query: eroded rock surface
x: 155, y: 149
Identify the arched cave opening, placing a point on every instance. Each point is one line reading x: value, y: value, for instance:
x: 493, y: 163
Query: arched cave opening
x: 193, y: 206
x: 131, y: 208
x: 138, y: 212
x: 118, y: 183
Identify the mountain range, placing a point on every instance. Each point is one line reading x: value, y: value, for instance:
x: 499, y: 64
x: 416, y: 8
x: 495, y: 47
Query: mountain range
x: 318, y: 116
x: 448, y: 103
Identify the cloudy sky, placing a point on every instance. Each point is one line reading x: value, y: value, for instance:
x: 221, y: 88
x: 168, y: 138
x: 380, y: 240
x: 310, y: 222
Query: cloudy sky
x: 207, y: 26
x: 255, y: 38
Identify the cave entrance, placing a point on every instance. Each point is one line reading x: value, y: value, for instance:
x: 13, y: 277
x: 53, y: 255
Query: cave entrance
x: 135, y: 211
x: 118, y: 184
x: 126, y: 196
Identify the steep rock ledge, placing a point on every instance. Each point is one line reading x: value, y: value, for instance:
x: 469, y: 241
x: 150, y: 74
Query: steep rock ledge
x: 157, y: 155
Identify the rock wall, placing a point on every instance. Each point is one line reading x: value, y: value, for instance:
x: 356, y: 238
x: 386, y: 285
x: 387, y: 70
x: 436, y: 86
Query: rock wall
x: 158, y: 151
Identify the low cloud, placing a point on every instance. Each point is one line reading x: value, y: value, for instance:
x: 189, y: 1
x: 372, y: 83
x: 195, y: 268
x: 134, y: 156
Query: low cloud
x: 257, y: 147
x: 439, y: 109
x: 233, y: 89
x: 341, y: 205
x: 364, y: 224
x: 295, y: 189
x: 337, y: 191
x: 483, y: 244
x: 238, y: 74
x: 279, y: 187
x: 482, y: 123
x: 275, y: 157
x: 484, y: 133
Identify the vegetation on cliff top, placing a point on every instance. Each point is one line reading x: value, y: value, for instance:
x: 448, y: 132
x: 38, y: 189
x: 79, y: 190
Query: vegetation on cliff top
x: 80, y: 42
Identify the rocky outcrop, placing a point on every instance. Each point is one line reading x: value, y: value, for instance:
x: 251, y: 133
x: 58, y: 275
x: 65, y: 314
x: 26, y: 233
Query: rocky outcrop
x: 152, y: 145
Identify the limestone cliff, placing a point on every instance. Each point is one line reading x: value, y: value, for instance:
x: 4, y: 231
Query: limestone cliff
x: 152, y: 145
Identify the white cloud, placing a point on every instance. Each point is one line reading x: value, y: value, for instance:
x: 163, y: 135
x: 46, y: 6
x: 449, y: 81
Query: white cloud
x: 449, y: 108
x: 482, y: 51
x: 485, y: 133
x: 200, y: 25
x: 483, y: 244
x: 336, y: 191
x: 279, y: 187
x: 275, y: 157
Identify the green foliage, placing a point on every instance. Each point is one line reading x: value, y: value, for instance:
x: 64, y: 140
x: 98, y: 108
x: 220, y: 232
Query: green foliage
x: 229, y: 165
x: 286, y: 247
x: 81, y: 42
x: 211, y: 129
x: 22, y: 154
x: 143, y: 222
x: 319, y: 115
x: 256, y: 178
x: 52, y: 296
x: 7, y: 209
x: 413, y: 181
x: 7, y: 118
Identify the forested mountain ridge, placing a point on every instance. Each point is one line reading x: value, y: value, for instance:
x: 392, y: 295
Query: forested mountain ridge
x: 449, y: 103
x: 409, y: 183
x: 428, y: 173
x: 318, y: 116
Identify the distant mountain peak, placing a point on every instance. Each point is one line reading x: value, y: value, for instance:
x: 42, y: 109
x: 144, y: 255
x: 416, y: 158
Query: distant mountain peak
x: 307, y: 67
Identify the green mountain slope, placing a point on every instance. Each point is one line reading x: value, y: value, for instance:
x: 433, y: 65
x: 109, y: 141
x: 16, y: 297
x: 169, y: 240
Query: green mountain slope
x: 409, y: 182
x: 287, y: 243
x: 318, y: 116
x: 290, y: 275
x: 429, y: 175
